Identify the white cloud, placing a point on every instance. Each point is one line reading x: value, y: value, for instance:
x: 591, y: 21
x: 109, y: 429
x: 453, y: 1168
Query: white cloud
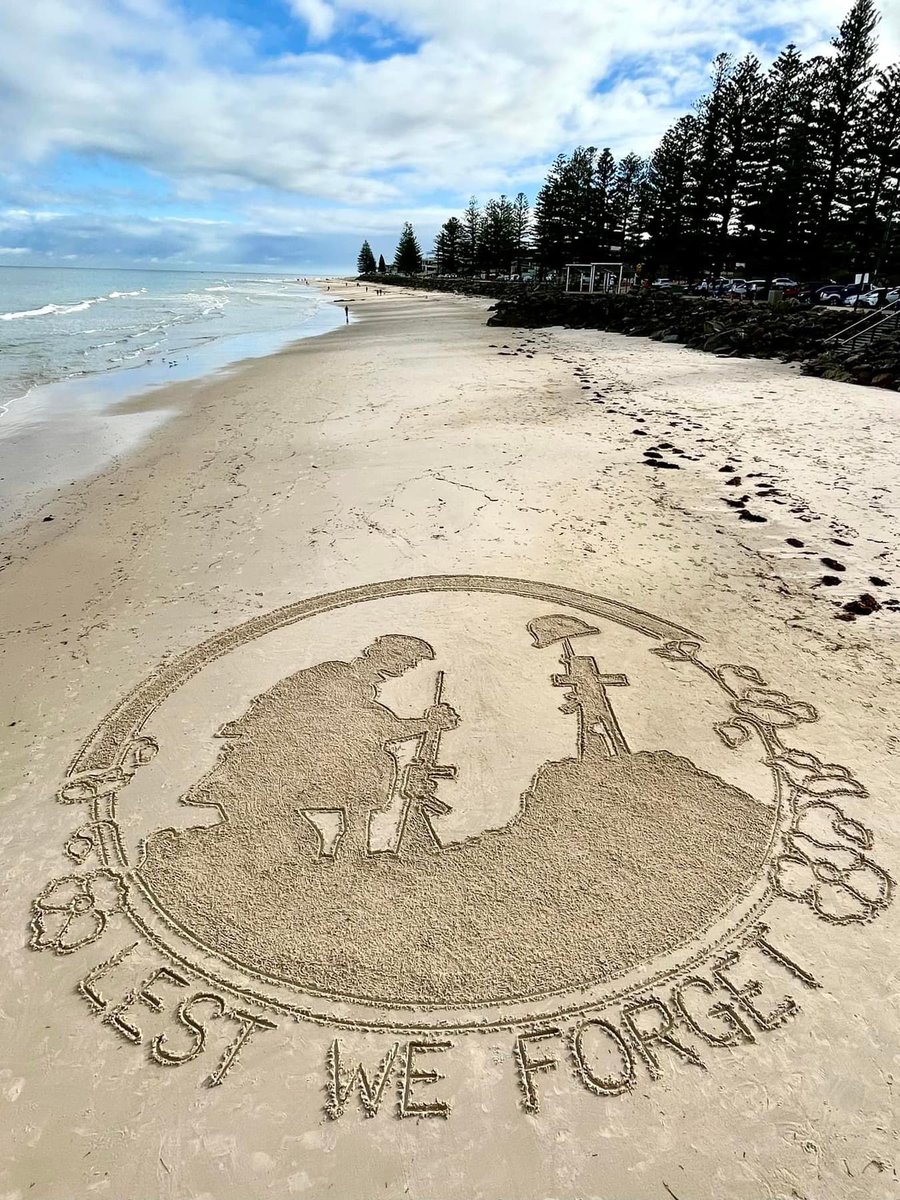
x: 491, y: 85
x: 318, y: 15
x: 492, y: 92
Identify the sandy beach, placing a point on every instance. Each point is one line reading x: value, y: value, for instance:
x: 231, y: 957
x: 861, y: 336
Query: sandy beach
x: 730, y: 511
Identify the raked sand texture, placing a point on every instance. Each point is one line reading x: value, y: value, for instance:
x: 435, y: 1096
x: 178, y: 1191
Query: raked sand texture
x: 512, y: 714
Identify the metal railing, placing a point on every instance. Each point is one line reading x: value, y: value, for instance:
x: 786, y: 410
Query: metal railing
x: 882, y: 314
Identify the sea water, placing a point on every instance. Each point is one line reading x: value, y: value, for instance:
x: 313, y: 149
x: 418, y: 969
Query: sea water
x: 75, y: 343
x: 63, y: 324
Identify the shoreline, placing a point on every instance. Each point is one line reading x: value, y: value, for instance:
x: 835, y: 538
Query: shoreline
x: 69, y: 429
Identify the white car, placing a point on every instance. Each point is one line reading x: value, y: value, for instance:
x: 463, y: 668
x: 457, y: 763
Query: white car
x: 871, y: 298
x: 747, y: 287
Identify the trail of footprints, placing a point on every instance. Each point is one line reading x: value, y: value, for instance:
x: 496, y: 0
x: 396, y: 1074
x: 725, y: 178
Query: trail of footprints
x: 752, y: 491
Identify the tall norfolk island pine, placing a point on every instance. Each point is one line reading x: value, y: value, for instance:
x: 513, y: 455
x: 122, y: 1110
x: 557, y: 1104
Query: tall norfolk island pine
x: 408, y: 256
x: 365, y: 263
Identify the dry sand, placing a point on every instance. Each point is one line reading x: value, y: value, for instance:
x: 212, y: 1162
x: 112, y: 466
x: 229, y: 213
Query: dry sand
x: 419, y: 442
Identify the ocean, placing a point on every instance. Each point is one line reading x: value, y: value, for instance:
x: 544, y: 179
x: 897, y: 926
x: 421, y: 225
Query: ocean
x: 64, y: 324
x: 76, y: 343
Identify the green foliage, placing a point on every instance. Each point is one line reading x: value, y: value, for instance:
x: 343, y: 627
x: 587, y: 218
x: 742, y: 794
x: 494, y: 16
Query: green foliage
x: 448, y: 246
x: 408, y: 256
x: 471, y: 238
x: 365, y: 262
x: 794, y: 170
x: 382, y: 265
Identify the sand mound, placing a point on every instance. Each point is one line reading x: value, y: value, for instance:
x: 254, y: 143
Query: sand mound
x: 604, y: 869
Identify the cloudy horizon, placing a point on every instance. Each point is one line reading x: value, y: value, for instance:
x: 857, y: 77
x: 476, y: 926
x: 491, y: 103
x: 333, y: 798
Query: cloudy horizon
x: 278, y: 134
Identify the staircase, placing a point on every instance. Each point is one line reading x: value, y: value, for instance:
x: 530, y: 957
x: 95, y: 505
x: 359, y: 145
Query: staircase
x: 881, y: 322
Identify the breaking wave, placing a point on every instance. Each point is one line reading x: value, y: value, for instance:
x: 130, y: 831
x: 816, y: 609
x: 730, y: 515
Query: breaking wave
x: 48, y: 310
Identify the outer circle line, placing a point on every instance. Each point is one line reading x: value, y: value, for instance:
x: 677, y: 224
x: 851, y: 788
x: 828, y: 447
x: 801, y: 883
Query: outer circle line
x: 98, y: 750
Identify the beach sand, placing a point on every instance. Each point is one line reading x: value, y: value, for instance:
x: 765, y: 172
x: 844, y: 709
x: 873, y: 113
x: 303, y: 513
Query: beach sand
x: 419, y: 442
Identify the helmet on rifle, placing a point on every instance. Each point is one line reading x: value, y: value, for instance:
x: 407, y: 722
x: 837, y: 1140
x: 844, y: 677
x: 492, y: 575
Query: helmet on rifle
x: 555, y: 627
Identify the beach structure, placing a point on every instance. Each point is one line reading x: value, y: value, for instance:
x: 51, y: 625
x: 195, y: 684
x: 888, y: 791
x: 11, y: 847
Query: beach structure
x: 594, y: 277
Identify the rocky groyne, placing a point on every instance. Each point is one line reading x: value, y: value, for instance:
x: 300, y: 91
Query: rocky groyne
x: 876, y: 364
x: 732, y: 329
x: 726, y: 328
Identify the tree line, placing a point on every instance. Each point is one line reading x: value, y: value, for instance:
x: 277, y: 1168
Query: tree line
x: 790, y: 170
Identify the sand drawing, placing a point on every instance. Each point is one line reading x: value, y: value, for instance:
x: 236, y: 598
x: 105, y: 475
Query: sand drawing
x: 615, y: 859
x: 317, y: 745
x: 416, y: 925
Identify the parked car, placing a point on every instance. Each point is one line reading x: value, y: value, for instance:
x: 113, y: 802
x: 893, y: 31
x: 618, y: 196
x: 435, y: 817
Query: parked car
x: 808, y: 293
x: 747, y: 288
x: 788, y: 287
x: 837, y: 293
x: 871, y: 298
x: 735, y: 287
x: 663, y: 283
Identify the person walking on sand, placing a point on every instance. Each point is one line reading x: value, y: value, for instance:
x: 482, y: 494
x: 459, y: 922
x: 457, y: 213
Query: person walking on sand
x: 347, y: 314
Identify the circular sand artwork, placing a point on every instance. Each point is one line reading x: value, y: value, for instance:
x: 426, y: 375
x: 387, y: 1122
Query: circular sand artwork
x: 446, y: 802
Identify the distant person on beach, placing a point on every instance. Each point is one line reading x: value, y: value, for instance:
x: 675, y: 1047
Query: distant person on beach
x: 347, y: 314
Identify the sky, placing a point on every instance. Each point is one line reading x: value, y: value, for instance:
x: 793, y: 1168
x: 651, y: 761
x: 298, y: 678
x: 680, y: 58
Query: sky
x: 279, y: 133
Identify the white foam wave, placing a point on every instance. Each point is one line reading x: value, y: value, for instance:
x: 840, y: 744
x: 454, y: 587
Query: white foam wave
x: 29, y: 312
x: 120, y: 295
x: 49, y: 309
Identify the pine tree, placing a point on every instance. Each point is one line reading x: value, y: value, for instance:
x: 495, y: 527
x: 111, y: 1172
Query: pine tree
x: 870, y: 202
x: 497, y: 236
x: 565, y: 225
x: 408, y: 256
x: 779, y: 198
x: 448, y: 247
x: 549, y: 218
x: 471, y: 230
x: 382, y: 265
x: 579, y: 203
x: 521, y: 231
x: 706, y: 176
x: 625, y: 209
x: 841, y: 128
x: 365, y: 263
x: 669, y: 183
x: 742, y: 155
x: 601, y: 209
x: 878, y: 233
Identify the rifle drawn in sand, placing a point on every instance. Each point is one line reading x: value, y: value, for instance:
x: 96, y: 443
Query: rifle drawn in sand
x: 418, y: 779
x: 599, y: 734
